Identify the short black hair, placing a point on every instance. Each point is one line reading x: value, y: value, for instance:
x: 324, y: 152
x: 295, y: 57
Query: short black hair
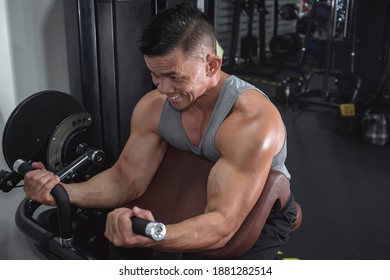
x: 184, y: 26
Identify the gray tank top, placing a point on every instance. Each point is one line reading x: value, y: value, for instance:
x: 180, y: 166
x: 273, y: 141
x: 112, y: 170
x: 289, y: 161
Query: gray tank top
x: 172, y: 130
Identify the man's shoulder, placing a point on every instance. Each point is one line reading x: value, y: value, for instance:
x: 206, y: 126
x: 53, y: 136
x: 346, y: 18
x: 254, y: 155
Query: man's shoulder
x: 151, y: 103
x: 253, y: 102
x: 255, y: 113
x: 153, y: 99
x: 148, y: 109
x: 253, y: 119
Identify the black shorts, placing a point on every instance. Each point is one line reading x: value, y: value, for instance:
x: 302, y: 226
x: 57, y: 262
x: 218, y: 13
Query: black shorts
x: 276, y: 232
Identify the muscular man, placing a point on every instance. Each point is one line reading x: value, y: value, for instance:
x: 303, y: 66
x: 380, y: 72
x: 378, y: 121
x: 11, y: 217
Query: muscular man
x: 199, y: 108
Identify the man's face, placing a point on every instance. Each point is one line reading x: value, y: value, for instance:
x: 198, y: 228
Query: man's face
x: 181, y: 79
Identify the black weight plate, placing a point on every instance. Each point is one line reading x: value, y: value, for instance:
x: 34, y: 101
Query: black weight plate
x: 33, y: 121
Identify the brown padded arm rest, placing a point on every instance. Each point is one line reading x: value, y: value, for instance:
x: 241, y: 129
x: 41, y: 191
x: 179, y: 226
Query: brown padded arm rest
x: 179, y: 191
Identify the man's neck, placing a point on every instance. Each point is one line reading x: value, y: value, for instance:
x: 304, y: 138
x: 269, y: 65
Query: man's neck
x: 209, y: 98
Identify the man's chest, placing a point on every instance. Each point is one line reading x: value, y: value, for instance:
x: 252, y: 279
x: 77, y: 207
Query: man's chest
x: 195, y: 125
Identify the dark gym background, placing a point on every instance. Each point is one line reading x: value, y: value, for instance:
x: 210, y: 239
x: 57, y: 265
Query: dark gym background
x: 341, y: 182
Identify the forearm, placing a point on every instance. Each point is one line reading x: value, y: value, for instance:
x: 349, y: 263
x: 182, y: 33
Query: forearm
x: 125, y: 181
x: 203, y: 232
x: 101, y: 191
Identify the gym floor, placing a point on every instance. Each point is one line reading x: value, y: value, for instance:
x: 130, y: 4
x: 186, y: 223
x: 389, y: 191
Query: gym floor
x: 341, y: 183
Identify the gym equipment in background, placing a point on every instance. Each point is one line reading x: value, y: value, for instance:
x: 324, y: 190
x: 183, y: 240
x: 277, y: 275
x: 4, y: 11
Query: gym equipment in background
x: 253, y: 49
x: 340, y: 85
x: 49, y: 126
x: 288, y: 44
x: 52, y: 127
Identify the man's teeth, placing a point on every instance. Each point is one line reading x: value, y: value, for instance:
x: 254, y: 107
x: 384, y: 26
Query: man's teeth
x: 174, y: 97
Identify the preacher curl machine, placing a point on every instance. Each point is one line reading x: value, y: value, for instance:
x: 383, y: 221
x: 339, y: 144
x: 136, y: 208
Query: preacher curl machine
x: 52, y: 127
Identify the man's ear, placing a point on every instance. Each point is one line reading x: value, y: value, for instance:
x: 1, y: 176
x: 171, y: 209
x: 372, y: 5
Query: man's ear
x: 213, y: 65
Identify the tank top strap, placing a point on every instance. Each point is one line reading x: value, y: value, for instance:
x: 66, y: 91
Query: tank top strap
x: 231, y: 90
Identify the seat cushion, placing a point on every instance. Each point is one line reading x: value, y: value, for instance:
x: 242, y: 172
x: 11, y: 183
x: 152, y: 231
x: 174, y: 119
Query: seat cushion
x: 178, y: 191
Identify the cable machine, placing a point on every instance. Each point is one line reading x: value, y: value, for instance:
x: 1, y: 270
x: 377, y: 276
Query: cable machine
x: 339, y: 63
x: 253, y: 49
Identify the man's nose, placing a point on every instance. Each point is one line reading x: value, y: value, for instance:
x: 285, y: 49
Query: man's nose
x: 165, y: 86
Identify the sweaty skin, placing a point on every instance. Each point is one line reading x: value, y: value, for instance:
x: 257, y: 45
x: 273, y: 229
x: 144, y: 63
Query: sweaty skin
x: 248, y: 139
